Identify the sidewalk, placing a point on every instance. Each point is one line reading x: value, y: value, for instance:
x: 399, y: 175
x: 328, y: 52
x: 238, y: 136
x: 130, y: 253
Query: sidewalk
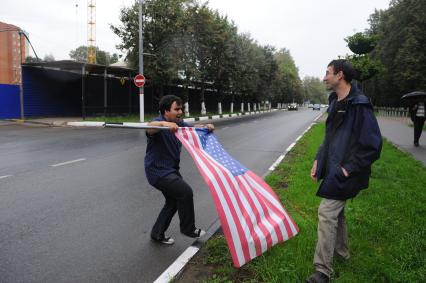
x: 401, y: 135
x: 79, y: 122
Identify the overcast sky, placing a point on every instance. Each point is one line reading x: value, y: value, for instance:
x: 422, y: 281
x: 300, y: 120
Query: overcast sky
x: 313, y: 30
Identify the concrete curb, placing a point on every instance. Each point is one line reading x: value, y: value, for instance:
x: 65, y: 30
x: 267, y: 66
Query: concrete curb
x: 187, y: 120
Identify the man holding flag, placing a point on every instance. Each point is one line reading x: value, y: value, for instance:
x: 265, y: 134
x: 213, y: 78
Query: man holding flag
x: 162, y: 171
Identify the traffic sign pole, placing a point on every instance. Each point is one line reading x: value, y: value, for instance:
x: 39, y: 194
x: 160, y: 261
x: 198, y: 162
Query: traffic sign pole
x: 141, y: 88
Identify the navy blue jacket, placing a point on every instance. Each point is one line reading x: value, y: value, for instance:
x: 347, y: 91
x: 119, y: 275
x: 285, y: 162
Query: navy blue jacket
x: 355, y: 145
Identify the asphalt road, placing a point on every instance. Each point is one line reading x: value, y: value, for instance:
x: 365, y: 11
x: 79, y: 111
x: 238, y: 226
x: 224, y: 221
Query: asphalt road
x: 75, y: 205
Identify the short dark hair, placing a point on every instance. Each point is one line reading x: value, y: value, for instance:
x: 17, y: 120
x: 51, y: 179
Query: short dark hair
x: 166, y: 102
x: 343, y: 65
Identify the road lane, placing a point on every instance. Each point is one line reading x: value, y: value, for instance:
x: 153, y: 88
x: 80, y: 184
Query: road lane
x: 90, y: 221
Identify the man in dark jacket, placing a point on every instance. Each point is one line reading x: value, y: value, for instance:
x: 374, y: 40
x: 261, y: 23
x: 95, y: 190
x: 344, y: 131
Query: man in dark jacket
x: 162, y: 171
x: 352, y: 143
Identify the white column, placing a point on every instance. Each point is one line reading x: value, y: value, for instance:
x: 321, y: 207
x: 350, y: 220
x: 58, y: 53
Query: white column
x: 219, y: 108
x: 186, y: 109
x: 203, y: 108
x: 242, y: 107
x: 248, y: 106
x: 232, y: 107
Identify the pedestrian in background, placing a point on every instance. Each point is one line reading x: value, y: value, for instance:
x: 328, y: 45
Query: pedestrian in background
x: 162, y: 171
x: 352, y: 143
x: 417, y: 114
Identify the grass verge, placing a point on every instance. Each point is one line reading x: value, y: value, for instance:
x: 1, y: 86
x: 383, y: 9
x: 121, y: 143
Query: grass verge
x: 386, y: 223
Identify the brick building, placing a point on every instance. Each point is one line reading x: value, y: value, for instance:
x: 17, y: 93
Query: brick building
x: 13, y: 51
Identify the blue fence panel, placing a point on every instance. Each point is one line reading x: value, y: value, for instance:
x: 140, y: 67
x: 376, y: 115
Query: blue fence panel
x: 9, y: 102
x: 51, y: 92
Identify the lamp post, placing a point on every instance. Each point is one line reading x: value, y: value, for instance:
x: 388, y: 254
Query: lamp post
x: 141, y: 89
x: 21, y: 90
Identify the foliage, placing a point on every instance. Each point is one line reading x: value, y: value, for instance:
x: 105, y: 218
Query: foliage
x: 400, y: 49
x: 31, y: 59
x: 49, y: 58
x: 288, y: 82
x: 314, y: 90
x: 102, y: 57
x: 365, y: 67
x: 361, y: 43
x: 187, y: 43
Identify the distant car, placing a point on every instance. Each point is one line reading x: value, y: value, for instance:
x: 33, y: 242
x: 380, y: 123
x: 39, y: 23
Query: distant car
x: 292, y: 106
x: 310, y: 106
x: 316, y: 107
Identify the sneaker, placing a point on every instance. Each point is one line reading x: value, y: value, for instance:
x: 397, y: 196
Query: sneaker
x: 318, y: 277
x: 165, y: 241
x: 197, y: 233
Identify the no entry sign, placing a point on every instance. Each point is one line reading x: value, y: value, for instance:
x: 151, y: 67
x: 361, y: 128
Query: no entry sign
x: 139, y: 80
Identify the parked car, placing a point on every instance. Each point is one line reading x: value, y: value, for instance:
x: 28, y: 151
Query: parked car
x: 316, y: 107
x: 292, y: 106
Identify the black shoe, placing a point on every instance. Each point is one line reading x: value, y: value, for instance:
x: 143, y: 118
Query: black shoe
x: 165, y: 240
x: 318, y: 277
x: 197, y: 233
x: 416, y: 144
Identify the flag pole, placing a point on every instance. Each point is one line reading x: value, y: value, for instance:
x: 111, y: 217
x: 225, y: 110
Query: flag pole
x: 127, y: 126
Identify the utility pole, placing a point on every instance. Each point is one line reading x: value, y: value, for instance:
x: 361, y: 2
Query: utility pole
x: 21, y: 88
x: 141, y: 89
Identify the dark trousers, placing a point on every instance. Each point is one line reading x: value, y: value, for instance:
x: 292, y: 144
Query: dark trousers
x: 178, y: 195
x: 418, y: 128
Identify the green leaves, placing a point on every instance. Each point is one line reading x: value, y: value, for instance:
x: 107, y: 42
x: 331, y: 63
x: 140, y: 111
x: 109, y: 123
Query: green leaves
x: 398, y: 58
x: 360, y: 43
x: 192, y: 45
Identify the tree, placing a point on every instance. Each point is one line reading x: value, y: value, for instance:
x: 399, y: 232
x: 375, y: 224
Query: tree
x: 49, y: 58
x: 291, y: 85
x: 192, y: 45
x: 31, y: 59
x: 400, y: 49
x: 103, y: 58
x: 362, y: 44
x: 314, y: 90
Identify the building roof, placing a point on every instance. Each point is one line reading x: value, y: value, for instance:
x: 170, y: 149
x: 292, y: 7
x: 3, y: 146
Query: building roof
x: 75, y: 66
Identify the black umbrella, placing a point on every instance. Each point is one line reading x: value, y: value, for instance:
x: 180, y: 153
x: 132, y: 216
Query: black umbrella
x: 415, y: 95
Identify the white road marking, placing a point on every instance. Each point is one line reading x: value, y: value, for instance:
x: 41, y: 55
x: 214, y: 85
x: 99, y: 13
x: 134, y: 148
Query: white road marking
x: 68, y: 162
x: 5, y: 176
x: 275, y: 164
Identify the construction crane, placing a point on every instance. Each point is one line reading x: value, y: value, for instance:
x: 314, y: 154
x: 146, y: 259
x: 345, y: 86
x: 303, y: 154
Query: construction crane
x: 91, y: 31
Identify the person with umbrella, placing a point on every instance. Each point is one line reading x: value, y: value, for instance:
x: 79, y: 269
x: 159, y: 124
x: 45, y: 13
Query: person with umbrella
x: 417, y: 113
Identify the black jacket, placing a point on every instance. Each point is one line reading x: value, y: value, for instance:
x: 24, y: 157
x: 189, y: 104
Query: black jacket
x: 354, y: 145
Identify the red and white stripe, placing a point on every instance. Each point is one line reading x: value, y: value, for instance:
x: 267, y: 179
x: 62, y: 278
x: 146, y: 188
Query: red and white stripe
x: 251, y: 215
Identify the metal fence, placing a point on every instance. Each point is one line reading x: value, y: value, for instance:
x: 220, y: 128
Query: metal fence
x: 392, y: 112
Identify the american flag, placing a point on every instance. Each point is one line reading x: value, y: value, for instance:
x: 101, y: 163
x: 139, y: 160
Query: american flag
x: 252, y: 217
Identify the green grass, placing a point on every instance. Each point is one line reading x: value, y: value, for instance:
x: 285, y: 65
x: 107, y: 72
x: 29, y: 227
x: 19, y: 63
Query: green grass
x: 386, y: 224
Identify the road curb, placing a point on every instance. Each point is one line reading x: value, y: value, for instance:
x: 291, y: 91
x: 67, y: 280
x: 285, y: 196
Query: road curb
x: 187, y: 120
